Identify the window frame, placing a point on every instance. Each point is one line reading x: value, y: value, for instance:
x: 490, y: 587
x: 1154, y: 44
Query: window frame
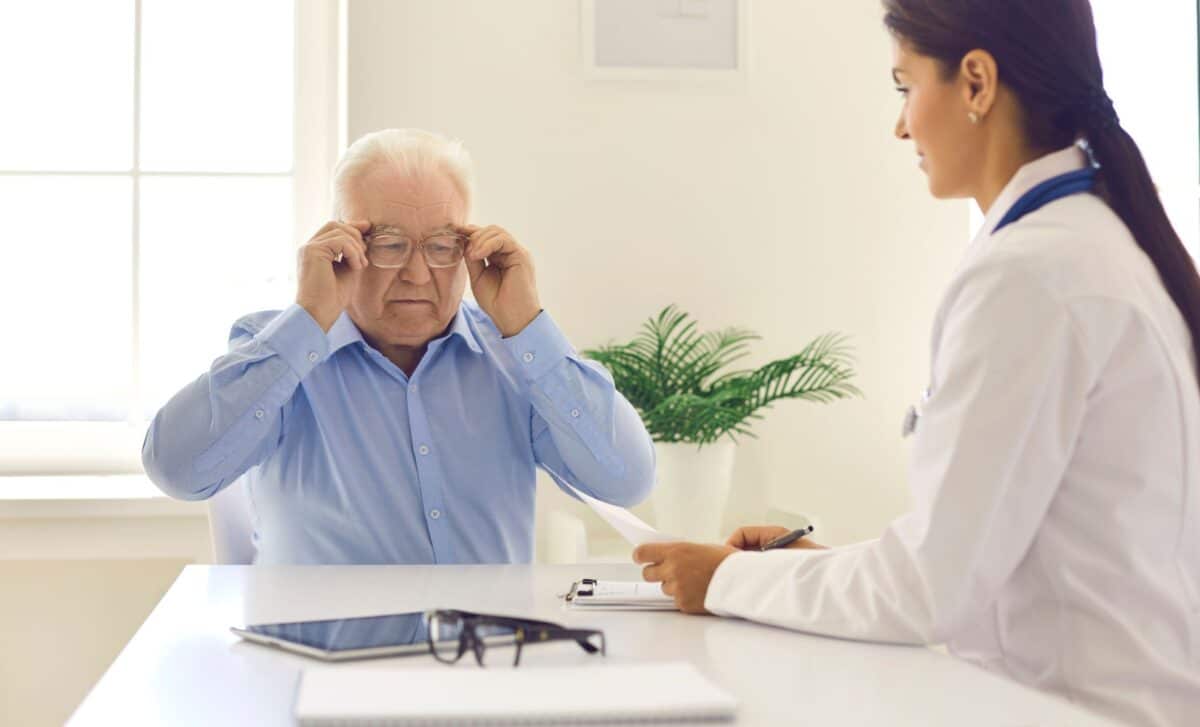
x: 319, y: 123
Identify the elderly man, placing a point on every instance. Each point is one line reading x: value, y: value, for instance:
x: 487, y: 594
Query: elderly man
x: 382, y: 419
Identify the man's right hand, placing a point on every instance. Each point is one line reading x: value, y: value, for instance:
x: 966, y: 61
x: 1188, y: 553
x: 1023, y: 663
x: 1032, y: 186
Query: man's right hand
x: 753, y: 537
x: 326, y: 285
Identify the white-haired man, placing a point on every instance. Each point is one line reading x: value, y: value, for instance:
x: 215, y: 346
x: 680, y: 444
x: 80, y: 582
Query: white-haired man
x: 382, y: 419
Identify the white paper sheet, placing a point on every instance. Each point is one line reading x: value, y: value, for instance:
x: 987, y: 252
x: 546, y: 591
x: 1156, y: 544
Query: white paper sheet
x: 630, y: 526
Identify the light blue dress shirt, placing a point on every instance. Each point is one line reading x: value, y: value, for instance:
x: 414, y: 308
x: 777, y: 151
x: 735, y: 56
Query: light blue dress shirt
x: 348, y: 460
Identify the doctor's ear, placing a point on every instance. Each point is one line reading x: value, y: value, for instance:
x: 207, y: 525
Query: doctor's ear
x: 980, y: 79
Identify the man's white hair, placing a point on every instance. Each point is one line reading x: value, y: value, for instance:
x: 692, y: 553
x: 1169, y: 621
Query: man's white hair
x: 413, y: 152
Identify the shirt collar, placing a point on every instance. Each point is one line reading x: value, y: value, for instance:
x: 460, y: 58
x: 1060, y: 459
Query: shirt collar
x: 343, y: 332
x: 1029, y: 176
x: 461, y: 328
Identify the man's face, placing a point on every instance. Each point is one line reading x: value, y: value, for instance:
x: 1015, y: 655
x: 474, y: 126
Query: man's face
x: 411, y: 305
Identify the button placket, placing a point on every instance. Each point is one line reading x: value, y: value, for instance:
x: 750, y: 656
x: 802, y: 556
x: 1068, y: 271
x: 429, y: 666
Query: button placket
x: 428, y: 475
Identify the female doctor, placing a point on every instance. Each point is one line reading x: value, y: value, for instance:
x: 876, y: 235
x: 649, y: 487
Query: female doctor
x: 1055, y: 469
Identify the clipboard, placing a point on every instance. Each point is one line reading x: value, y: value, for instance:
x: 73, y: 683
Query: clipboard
x: 590, y: 594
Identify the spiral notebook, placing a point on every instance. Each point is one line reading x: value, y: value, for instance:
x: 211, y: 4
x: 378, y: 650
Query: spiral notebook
x: 445, y: 695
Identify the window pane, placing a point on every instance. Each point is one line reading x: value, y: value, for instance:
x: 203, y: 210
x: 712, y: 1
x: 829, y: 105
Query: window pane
x: 213, y: 250
x: 217, y: 85
x: 67, y: 283
x: 67, y: 85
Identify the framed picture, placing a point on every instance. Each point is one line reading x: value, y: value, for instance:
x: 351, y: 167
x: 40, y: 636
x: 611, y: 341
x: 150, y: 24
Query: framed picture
x: 664, y: 40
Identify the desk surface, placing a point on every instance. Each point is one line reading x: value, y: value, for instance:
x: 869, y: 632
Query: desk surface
x: 184, y: 667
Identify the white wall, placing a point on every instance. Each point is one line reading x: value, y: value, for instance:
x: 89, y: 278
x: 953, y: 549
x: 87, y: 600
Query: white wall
x: 783, y: 204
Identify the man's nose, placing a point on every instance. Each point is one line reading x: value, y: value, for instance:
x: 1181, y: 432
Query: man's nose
x: 901, y: 128
x: 416, y: 270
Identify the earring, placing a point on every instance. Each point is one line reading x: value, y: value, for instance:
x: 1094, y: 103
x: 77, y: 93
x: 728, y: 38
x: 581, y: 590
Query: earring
x: 974, y: 117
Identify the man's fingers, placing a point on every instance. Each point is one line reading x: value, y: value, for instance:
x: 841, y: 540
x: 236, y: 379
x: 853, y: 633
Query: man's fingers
x: 354, y: 229
x: 335, y: 246
x: 652, y: 573
x: 487, y: 243
x: 475, y: 269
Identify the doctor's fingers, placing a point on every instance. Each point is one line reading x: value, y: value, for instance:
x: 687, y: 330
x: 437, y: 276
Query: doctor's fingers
x: 753, y: 537
x: 655, y: 573
x: 652, y: 552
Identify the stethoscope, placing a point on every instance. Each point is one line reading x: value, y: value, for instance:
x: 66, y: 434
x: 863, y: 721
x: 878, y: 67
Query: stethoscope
x: 1055, y: 188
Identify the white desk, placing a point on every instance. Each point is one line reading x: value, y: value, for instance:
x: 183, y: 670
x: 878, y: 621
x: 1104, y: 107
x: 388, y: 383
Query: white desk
x: 184, y: 667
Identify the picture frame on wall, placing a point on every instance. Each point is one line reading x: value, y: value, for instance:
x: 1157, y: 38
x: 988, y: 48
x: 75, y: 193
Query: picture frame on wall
x: 664, y: 40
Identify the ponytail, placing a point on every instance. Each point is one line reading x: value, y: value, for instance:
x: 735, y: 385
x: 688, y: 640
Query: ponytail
x: 1124, y: 182
x: 1047, y: 54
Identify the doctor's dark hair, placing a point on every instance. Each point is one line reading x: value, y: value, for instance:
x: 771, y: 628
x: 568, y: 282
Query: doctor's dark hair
x: 1046, y: 54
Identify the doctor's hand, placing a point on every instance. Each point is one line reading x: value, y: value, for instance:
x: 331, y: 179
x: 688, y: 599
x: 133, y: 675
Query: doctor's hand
x: 684, y: 569
x: 502, y: 277
x: 331, y: 264
x: 754, y: 537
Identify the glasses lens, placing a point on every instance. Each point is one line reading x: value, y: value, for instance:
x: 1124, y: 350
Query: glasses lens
x: 388, y: 251
x: 443, y: 251
x: 445, y: 635
x: 496, y: 645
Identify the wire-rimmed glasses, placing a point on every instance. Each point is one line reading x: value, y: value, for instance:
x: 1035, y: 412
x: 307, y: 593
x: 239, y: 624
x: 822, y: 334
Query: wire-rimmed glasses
x: 453, y: 633
x: 388, y: 248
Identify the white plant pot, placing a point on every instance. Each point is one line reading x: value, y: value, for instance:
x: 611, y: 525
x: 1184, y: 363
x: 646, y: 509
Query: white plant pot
x: 693, y: 488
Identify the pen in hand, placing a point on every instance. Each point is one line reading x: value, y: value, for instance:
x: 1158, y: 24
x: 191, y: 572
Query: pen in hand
x: 787, y: 539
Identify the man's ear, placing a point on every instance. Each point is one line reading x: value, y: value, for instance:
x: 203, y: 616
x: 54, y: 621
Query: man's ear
x: 980, y: 80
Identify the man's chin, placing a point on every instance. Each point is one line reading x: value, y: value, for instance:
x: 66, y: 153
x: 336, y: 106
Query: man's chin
x: 414, y: 329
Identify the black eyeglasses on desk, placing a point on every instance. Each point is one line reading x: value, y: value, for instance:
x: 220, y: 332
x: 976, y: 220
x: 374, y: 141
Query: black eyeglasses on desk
x: 453, y: 633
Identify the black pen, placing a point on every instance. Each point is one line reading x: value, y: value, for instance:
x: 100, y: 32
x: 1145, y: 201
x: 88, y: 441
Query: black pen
x: 785, y: 540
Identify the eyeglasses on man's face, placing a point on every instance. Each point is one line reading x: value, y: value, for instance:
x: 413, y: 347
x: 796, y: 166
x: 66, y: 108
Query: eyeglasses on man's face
x: 497, y: 641
x: 388, y: 248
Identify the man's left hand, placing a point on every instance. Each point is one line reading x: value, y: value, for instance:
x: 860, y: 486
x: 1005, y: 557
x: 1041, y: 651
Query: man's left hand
x: 502, y: 278
x: 684, y: 569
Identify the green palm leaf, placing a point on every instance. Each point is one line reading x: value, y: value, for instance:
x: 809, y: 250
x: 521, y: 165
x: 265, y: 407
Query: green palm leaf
x: 674, y: 375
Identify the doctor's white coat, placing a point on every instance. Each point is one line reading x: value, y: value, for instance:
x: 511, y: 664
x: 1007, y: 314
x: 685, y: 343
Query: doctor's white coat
x: 1055, y: 533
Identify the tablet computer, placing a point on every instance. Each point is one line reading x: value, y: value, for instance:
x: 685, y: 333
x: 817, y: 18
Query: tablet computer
x: 346, y: 638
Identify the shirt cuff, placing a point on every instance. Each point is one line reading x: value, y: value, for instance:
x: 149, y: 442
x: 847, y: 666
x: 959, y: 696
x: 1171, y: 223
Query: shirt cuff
x: 724, y: 577
x: 297, y: 338
x: 539, y: 347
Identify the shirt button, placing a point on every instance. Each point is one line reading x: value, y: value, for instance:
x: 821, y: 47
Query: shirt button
x: 528, y: 357
x: 423, y: 449
x: 575, y: 413
x: 312, y: 356
x: 412, y: 387
x: 435, y: 514
x: 259, y: 413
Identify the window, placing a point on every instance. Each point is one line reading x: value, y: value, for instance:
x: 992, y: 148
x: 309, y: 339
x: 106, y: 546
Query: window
x: 1149, y: 54
x: 153, y: 186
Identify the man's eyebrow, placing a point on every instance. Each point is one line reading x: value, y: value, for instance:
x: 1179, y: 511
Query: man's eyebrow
x: 896, y: 75
x: 448, y: 227
x: 386, y: 228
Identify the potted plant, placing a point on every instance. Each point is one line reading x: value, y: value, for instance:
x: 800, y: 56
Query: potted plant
x: 695, y: 408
